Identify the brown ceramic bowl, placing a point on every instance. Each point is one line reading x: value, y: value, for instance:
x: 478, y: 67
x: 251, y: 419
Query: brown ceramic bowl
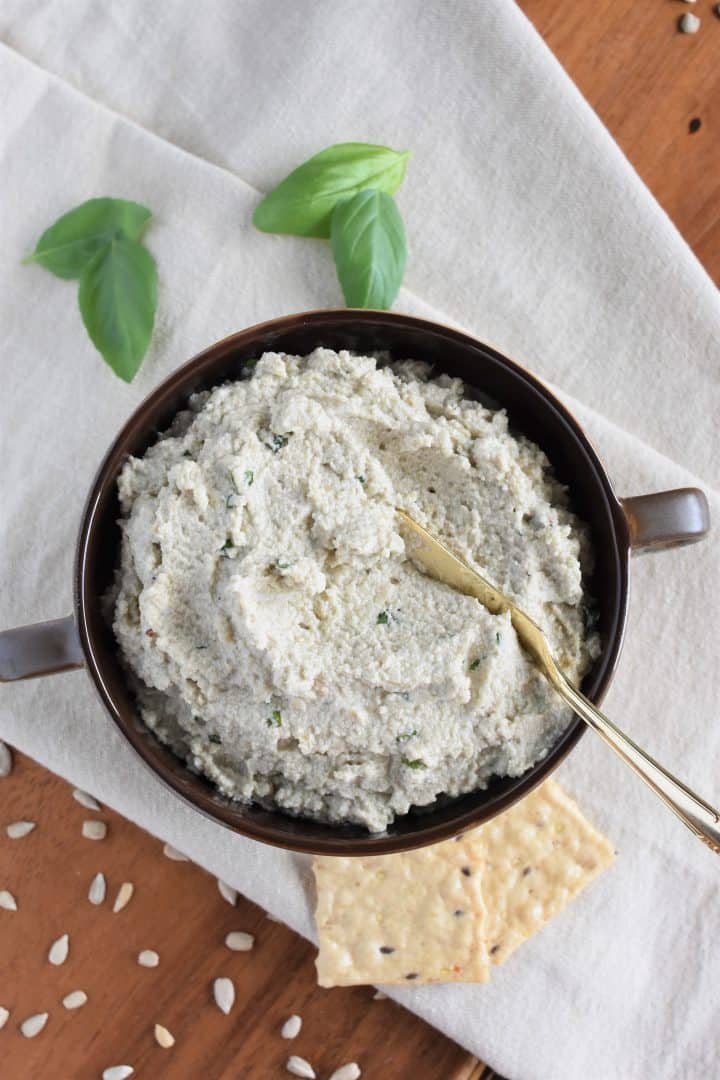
x: 617, y: 527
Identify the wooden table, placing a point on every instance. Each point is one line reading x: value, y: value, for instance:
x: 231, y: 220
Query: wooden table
x: 647, y: 82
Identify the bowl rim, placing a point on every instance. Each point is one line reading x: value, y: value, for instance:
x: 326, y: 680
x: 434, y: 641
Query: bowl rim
x: 226, y: 813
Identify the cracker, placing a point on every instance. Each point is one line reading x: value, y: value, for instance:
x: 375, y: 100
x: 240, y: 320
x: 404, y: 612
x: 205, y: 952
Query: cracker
x: 414, y: 917
x: 536, y: 857
x: 507, y: 877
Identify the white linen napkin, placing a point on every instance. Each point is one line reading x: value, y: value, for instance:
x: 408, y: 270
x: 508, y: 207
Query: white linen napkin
x: 528, y: 227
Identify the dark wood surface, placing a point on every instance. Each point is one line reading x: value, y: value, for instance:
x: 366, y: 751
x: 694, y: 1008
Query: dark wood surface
x: 176, y: 910
x: 648, y: 82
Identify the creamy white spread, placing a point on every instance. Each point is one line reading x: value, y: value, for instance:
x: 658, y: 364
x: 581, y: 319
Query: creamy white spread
x: 284, y: 643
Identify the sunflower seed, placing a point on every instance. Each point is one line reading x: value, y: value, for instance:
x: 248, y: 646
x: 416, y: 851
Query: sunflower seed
x: 172, y: 853
x: 300, y: 1067
x: 33, y: 1025
x: 123, y: 897
x: 75, y: 1000
x: 379, y: 996
x: 118, y: 1072
x: 94, y: 830
x: 148, y: 958
x: 239, y: 941
x: 351, y: 1071
x: 163, y: 1037
x: 227, y: 892
x: 7, y: 901
x: 689, y: 23
x: 224, y: 994
x: 86, y: 800
x: 59, y: 950
x: 97, y: 890
x: 291, y: 1027
x: 4, y: 1013
x: 6, y: 761
x: 18, y: 829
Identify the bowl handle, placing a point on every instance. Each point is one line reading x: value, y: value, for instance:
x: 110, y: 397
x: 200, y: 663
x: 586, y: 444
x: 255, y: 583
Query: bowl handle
x: 40, y: 649
x: 667, y: 519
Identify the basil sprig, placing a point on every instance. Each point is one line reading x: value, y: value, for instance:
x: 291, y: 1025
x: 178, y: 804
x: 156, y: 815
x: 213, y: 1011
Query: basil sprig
x: 99, y: 243
x: 344, y: 194
x: 303, y: 203
x: 368, y: 245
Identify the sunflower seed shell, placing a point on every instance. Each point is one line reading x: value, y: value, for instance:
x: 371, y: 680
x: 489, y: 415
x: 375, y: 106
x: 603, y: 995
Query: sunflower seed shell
x: 291, y: 1027
x: 224, y: 994
x: 94, y: 830
x: 7, y: 901
x: 227, y: 892
x: 123, y: 897
x: 86, y: 800
x: 163, y: 1037
x: 300, y: 1067
x: 171, y: 852
x: 33, y: 1025
x: 18, y: 829
x: 148, y: 958
x: 351, y: 1071
x: 75, y: 1000
x: 6, y: 761
x: 239, y: 941
x: 97, y: 890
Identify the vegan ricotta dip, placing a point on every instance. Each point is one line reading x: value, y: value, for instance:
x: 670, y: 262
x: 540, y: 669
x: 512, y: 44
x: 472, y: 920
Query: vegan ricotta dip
x: 281, y: 640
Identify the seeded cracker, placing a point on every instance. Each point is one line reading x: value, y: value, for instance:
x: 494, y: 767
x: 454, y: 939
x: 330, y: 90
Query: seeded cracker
x: 506, y: 878
x: 536, y: 857
x: 416, y: 917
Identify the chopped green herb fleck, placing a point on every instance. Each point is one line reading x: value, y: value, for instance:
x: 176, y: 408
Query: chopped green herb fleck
x: 383, y: 618
x: 203, y: 646
x: 227, y: 546
x: 405, y: 736
x: 498, y: 637
x: 249, y: 477
x: 230, y: 503
x: 475, y: 664
x: 186, y: 453
x: 232, y: 481
x: 215, y: 738
x: 361, y: 478
x: 415, y: 764
x: 275, y: 720
x: 282, y: 565
x: 278, y: 441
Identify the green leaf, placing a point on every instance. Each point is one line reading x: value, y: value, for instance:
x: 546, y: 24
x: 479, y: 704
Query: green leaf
x: 368, y: 244
x: 118, y: 295
x: 302, y: 204
x: 67, y: 247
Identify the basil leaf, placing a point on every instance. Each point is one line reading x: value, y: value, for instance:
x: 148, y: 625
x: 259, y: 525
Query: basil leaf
x: 67, y: 247
x: 117, y: 296
x: 368, y: 245
x: 303, y: 203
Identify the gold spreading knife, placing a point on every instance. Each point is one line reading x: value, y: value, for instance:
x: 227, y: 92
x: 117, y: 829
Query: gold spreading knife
x: 440, y: 563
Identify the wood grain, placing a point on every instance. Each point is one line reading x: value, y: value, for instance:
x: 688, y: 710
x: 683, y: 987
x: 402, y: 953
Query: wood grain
x: 177, y: 911
x: 647, y: 82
